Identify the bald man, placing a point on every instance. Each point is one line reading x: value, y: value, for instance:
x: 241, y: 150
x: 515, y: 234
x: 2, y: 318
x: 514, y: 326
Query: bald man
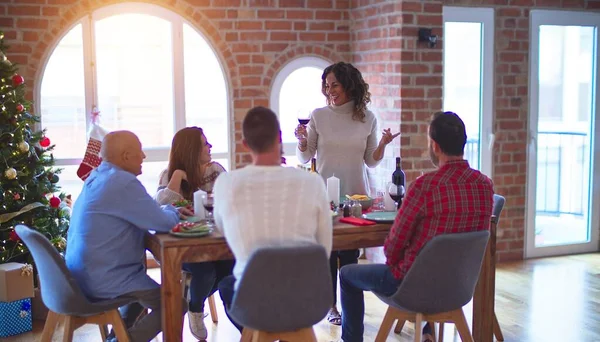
x: 105, y: 243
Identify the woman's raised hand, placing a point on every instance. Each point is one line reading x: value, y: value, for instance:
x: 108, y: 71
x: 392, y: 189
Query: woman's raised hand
x: 387, y: 136
x: 301, y: 133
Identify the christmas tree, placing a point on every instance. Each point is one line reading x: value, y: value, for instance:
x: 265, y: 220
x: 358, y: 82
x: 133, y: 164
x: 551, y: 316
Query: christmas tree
x: 28, y: 181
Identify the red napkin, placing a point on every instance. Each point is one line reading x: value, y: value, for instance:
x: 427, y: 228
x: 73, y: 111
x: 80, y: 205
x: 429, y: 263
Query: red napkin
x: 357, y: 221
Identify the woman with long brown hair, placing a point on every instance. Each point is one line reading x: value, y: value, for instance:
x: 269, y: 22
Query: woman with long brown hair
x: 343, y: 135
x: 191, y: 169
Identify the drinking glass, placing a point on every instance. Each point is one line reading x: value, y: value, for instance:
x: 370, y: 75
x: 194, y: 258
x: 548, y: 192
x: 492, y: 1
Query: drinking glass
x: 303, y: 117
x: 396, y: 193
x: 208, y: 201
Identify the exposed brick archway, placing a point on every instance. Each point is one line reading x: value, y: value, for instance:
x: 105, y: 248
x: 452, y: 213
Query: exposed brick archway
x: 294, y: 52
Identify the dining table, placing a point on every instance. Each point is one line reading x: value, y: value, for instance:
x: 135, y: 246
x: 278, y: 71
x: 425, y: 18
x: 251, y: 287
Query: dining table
x: 171, y: 252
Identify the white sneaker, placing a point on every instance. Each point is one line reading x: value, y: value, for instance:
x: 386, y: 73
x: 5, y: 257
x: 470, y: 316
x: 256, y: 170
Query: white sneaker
x: 197, y: 326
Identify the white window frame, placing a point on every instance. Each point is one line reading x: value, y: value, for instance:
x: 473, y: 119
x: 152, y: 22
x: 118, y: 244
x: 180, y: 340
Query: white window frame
x: 156, y: 154
x: 484, y: 16
x: 289, y: 149
x: 561, y: 18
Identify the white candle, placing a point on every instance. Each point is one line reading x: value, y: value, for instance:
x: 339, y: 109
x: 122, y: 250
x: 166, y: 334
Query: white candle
x: 333, y: 190
x: 198, y: 207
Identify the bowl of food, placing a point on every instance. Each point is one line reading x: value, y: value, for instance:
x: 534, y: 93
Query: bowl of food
x: 365, y: 201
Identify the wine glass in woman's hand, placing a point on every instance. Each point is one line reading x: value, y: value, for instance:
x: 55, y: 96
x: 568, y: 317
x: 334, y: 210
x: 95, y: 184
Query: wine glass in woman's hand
x: 303, y: 117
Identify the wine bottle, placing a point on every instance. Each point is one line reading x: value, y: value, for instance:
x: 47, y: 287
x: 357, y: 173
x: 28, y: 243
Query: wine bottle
x: 313, y: 165
x: 398, y: 178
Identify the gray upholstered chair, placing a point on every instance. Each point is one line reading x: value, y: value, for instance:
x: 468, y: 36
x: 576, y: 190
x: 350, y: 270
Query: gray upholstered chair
x: 62, y: 295
x: 439, y: 283
x: 284, y: 292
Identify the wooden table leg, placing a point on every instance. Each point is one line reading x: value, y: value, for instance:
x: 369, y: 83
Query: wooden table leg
x: 172, y: 295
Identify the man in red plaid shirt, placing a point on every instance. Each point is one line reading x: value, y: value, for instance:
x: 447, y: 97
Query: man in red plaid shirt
x: 453, y: 199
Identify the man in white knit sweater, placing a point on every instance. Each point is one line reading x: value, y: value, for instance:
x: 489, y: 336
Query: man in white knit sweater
x: 265, y: 204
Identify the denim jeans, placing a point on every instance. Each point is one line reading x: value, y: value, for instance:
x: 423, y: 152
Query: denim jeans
x: 347, y: 257
x: 205, y: 280
x: 227, y: 291
x: 354, y: 279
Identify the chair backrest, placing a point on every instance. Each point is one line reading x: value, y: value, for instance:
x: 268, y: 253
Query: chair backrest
x: 498, y: 206
x: 60, y: 291
x: 444, y: 274
x: 283, y: 289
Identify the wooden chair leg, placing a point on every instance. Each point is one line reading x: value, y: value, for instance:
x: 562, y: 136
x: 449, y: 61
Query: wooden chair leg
x: 399, y: 326
x: 497, y: 330
x: 247, y: 335
x: 441, y: 332
x: 118, y: 326
x: 307, y: 335
x: 460, y: 321
x: 49, y: 326
x: 386, y: 326
x: 213, y: 309
x: 103, y: 331
x: 418, y: 327
x: 69, y: 328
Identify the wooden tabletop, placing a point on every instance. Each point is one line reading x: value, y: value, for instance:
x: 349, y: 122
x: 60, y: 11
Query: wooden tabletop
x: 345, y: 236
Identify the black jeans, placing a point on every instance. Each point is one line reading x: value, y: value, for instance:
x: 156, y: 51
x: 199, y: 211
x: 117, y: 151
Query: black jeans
x: 346, y: 257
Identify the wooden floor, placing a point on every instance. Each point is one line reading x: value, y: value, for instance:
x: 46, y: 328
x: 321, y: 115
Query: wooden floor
x: 552, y: 299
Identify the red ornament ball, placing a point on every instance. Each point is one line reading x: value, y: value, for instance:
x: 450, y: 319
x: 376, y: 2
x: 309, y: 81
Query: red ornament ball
x: 17, y: 80
x: 20, y: 108
x: 55, y: 202
x: 13, y: 236
x: 17, y: 197
x: 45, y: 142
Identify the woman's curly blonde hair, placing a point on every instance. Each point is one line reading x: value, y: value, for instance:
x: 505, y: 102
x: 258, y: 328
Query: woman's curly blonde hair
x: 353, y: 84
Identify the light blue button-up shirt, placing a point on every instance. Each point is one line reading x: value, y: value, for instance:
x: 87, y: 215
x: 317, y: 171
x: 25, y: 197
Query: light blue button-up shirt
x: 105, y: 243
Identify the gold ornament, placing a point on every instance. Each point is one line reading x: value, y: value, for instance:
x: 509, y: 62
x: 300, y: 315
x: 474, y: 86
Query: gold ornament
x: 23, y: 146
x: 26, y: 270
x: 10, y: 173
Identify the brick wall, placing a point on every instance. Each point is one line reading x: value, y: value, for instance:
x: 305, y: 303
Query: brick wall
x: 376, y: 40
x: 255, y: 38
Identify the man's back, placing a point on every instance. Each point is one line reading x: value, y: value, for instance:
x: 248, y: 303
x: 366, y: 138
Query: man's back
x: 105, y: 248
x: 260, y: 206
x: 453, y: 199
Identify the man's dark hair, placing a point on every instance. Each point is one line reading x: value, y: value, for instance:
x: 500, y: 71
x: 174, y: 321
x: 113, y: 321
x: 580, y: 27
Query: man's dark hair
x: 448, y: 130
x: 260, y: 129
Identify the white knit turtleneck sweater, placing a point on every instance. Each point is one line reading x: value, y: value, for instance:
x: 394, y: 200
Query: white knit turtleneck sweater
x: 343, y: 146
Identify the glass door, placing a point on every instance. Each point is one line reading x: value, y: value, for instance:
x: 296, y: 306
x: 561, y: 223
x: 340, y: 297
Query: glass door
x: 562, y: 174
x: 468, y: 78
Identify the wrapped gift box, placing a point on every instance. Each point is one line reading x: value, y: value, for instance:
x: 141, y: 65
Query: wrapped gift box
x: 16, y: 282
x: 15, y: 317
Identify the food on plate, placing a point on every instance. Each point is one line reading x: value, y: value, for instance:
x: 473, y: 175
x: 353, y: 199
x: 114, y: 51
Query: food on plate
x: 182, y: 203
x: 358, y: 197
x: 190, y: 227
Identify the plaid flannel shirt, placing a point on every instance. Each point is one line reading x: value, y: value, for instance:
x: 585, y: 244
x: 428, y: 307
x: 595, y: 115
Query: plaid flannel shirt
x: 453, y: 199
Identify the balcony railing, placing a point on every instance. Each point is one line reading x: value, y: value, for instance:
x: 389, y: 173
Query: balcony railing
x: 562, y: 171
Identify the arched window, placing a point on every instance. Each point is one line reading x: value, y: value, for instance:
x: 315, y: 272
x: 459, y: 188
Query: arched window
x: 146, y: 70
x: 296, y: 92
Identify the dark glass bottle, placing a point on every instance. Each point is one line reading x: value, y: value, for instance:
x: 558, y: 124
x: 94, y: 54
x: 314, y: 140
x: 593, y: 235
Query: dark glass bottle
x: 398, y: 178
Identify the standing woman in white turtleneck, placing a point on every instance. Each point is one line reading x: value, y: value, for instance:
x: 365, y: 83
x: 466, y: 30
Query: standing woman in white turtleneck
x: 343, y: 135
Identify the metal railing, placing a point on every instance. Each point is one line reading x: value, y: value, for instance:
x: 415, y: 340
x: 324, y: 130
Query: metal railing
x: 562, y: 171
